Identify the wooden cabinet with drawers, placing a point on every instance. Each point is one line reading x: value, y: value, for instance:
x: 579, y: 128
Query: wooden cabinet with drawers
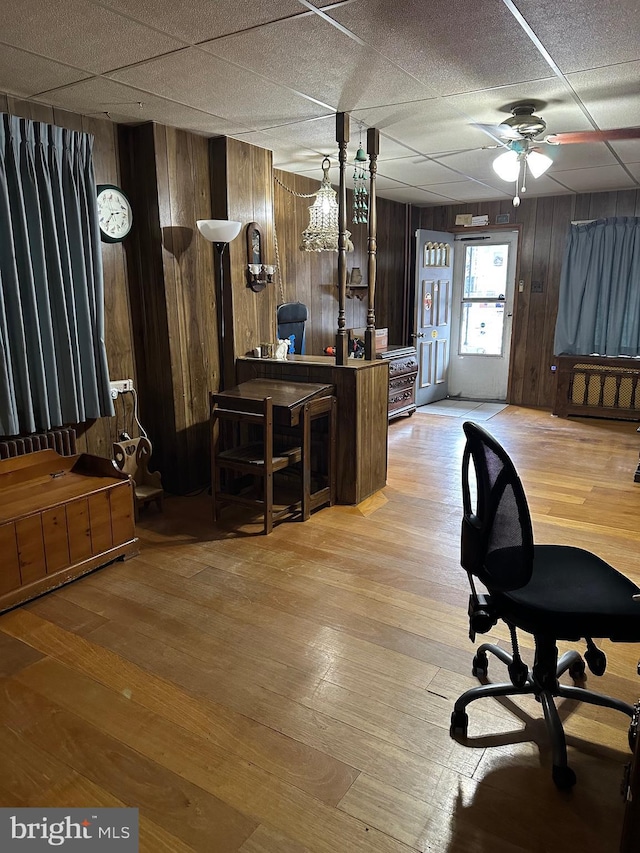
x: 403, y: 369
x: 60, y: 517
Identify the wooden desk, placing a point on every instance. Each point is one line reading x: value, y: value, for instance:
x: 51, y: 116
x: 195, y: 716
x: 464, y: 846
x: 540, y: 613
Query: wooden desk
x: 362, y: 391
x: 269, y: 433
x: 288, y: 397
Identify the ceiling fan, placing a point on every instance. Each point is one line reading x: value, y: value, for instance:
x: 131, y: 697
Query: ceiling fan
x: 520, y: 135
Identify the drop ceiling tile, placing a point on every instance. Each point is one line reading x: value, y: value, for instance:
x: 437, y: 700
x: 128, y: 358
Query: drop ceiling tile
x: 579, y: 156
x: 592, y: 180
x: 100, y: 95
x: 416, y: 170
x: 200, y: 20
x: 415, y: 195
x: 316, y: 133
x: 80, y: 33
x: 546, y: 185
x: 428, y: 126
x: 451, y: 47
x: 23, y: 74
x: 610, y: 94
x: 473, y: 163
x: 628, y: 150
x: 310, y: 55
x: 198, y: 79
x: 468, y: 191
x: 585, y: 34
x: 634, y: 168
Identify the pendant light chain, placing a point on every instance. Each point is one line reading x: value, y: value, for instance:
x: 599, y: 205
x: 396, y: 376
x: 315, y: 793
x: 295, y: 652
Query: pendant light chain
x: 278, y: 267
x: 293, y: 192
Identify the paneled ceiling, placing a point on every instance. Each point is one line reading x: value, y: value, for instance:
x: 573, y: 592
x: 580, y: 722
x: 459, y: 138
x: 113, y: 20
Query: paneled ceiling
x: 274, y: 72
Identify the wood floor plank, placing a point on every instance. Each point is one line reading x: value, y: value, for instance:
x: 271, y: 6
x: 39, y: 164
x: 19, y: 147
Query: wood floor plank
x: 179, y: 806
x: 291, y: 693
x: 82, y: 792
x: 291, y: 760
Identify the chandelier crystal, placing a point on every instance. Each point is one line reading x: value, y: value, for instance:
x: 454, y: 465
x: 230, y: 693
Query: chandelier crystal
x: 323, y: 230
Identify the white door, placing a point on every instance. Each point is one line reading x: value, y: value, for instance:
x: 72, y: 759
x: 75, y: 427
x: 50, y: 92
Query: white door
x: 432, y: 313
x: 483, y: 291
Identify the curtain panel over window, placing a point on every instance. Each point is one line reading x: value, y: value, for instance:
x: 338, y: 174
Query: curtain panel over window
x: 599, y: 301
x: 53, y: 362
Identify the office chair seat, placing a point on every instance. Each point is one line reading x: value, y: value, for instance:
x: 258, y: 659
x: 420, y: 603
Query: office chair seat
x: 554, y: 592
x: 573, y: 594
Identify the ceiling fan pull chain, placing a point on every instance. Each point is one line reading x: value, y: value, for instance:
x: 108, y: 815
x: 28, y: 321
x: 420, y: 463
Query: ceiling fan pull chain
x: 523, y: 188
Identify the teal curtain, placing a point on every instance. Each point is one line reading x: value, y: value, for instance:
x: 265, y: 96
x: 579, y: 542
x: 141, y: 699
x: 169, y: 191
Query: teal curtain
x: 599, y: 301
x: 53, y: 363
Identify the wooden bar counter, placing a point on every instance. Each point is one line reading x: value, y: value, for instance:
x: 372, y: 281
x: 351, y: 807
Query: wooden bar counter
x: 362, y: 391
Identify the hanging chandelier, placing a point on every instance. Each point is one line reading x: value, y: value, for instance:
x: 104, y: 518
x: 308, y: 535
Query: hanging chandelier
x: 323, y: 231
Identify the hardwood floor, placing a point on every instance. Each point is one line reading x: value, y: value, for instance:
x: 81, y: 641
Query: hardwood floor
x: 292, y: 693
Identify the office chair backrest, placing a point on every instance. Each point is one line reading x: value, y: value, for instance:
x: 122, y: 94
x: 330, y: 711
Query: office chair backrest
x: 291, y: 318
x: 497, y: 537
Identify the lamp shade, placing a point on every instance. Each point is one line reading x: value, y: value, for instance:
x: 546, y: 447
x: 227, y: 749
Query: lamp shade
x: 507, y: 166
x: 538, y: 163
x: 219, y: 230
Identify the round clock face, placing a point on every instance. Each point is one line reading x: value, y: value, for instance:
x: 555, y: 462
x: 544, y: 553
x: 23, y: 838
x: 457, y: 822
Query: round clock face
x: 115, y: 216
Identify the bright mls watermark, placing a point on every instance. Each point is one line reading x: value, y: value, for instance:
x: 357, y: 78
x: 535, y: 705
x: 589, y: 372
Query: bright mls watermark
x: 79, y: 830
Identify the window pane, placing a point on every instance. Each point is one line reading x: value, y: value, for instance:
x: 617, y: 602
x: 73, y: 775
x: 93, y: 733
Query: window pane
x: 485, y: 271
x: 481, y: 328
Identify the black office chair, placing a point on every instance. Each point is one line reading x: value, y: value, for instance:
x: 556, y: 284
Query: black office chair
x: 555, y: 592
x: 291, y: 318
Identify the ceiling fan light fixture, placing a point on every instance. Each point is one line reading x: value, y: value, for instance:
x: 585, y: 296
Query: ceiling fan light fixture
x: 538, y: 163
x: 507, y: 166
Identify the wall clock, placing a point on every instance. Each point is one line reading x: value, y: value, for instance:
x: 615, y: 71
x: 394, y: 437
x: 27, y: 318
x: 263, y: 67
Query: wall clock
x: 115, y: 216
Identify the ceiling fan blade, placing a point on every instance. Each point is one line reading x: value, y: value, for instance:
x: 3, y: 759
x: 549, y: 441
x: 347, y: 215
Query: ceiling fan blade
x: 499, y: 131
x: 593, y: 136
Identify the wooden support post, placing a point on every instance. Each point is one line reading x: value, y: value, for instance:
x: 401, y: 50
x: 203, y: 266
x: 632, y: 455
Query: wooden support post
x: 373, y: 149
x: 342, y: 138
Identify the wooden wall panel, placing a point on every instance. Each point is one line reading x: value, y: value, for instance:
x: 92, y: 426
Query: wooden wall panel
x: 172, y: 274
x: 243, y: 190
x: 545, y: 223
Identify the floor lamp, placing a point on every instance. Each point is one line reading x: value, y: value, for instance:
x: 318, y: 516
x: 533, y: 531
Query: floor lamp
x: 220, y: 232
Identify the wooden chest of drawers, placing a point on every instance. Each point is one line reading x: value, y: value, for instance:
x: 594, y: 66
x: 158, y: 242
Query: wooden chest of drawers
x: 60, y: 517
x: 403, y: 369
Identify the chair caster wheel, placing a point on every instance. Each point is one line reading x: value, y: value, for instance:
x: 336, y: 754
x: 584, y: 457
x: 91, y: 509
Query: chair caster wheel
x: 563, y: 777
x: 459, y: 724
x: 577, y: 670
x: 480, y: 665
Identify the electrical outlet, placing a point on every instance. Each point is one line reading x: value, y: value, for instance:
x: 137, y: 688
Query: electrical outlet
x: 119, y: 386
